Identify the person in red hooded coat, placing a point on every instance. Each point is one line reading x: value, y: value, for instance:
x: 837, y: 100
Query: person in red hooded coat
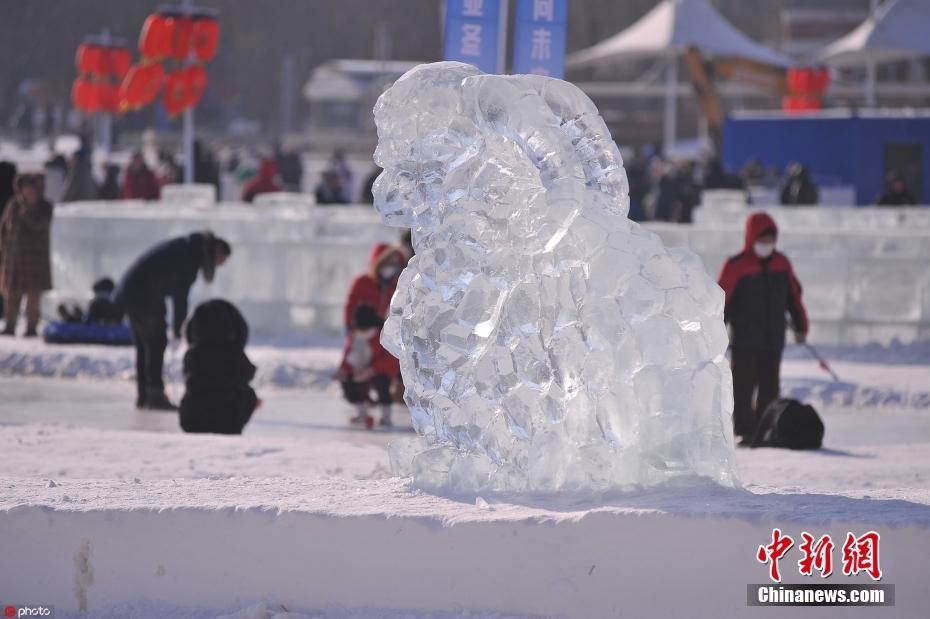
x: 265, y: 182
x: 761, y: 292
x: 369, y: 301
x: 375, y: 287
x: 140, y: 182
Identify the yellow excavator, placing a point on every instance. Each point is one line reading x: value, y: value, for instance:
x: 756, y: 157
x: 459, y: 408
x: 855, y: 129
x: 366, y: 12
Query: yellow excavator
x: 705, y: 72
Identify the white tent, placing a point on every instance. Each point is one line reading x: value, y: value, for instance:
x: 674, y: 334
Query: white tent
x: 670, y: 28
x: 667, y: 31
x: 896, y: 30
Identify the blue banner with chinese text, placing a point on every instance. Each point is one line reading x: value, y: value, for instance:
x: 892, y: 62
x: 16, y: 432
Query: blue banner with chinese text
x: 472, y: 32
x: 539, y: 40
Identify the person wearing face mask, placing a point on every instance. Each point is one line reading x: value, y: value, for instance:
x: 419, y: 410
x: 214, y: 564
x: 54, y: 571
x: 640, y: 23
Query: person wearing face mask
x: 376, y: 286
x: 366, y: 367
x: 760, y: 289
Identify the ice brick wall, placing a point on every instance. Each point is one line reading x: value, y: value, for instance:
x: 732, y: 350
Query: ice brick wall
x: 291, y: 265
x: 865, y: 272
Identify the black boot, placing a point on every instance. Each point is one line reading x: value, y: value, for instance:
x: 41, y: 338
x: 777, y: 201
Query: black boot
x: 158, y: 402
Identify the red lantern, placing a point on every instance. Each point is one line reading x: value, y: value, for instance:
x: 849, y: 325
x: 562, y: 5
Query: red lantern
x: 107, y: 97
x: 821, y: 80
x: 118, y: 61
x: 155, y: 38
x: 205, y: 36
x: 195, y: 82
x: 180, y: 29
x: 89, y: 59
x: 84, y: 95
x: 175, y: 93
x: 140, y: 86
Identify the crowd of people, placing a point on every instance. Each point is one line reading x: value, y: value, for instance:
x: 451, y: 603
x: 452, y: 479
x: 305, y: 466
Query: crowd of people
x: 666, y: 190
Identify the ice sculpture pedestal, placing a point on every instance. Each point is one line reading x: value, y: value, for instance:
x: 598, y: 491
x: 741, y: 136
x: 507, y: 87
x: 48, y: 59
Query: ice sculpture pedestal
x: 227, y: 543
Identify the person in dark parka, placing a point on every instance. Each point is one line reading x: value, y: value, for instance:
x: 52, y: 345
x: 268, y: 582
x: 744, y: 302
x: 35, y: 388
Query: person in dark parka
x: 166, y: 270
x: 101, y: 310
x: 217, y: 371
x: 760, y: 289
x: 25, y: 252
x: 7, y: 191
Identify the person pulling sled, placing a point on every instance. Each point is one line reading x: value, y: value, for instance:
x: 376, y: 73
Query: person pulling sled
x: 761, y: 289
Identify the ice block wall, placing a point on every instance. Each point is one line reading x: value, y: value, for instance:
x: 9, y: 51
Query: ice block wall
x: 291, y: 265
x: 865, y: 271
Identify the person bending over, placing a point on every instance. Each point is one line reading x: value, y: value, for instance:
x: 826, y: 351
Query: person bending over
x: 167, y: 270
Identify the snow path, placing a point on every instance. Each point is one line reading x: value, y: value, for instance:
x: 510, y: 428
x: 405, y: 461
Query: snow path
x: 896, y: 376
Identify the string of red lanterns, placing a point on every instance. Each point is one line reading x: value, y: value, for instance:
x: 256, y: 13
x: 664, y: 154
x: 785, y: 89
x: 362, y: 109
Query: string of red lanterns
x: 806, y: 87
x: 100, y: 68
x: 108, y: 81
x: 177, y: 37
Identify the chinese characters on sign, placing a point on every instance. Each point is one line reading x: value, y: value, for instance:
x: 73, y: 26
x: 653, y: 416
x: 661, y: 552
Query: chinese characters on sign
x: 860, y: 554
x: 472, y: 32
x: 539, y: 40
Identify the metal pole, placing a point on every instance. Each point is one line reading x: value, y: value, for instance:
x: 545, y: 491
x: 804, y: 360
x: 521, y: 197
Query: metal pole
x: 188, y: 138
x: 870, y: 72
x: 105, y: 128
x: 671, y: 103
x: 504, y: 17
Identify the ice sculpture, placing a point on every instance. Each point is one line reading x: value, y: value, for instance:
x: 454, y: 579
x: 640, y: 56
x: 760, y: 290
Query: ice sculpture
x: 547, y: 342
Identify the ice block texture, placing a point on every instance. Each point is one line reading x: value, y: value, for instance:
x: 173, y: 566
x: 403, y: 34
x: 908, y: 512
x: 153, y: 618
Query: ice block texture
x: 547, y: 343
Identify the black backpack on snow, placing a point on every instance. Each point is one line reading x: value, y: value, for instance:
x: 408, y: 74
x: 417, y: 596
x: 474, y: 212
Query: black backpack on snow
x: 790, y: 424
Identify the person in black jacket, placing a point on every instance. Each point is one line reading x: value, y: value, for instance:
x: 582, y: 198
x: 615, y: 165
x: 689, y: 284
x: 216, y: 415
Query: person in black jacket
x: 896, y: 193
x: 166, y: 270
x: 101, y: 310
x: 217, y: 371
x: 760, y: 289
x: 799, y: 189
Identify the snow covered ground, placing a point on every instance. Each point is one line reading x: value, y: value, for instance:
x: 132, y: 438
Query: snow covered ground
x: 116, y: 511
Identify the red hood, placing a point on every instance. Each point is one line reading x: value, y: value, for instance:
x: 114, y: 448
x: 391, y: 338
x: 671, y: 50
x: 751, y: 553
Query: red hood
x: 377, y: 254
x: 268, y: 169
x: 756, y: 225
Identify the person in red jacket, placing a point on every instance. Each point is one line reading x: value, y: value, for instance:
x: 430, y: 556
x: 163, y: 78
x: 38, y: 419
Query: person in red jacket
x: 140, y: 182
x: 760, y: 288
x: 366, y: 366
x: 376, y: 286
x: 265, y: 182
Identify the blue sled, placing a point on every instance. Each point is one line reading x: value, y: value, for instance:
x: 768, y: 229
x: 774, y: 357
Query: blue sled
x: 87, y: 333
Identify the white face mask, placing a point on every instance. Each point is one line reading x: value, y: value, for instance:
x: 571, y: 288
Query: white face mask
x: 763, y: 250
x: 387, y: 273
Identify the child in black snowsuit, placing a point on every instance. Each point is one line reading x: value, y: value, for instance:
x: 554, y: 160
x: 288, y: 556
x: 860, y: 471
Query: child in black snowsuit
x: 216, y: 371
x: 102, y: 310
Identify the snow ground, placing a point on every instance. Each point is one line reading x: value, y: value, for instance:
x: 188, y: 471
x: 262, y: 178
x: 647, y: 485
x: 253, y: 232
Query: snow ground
x: 76, y: 446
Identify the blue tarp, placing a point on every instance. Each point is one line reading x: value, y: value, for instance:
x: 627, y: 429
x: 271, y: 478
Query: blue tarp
x: 845, y: 150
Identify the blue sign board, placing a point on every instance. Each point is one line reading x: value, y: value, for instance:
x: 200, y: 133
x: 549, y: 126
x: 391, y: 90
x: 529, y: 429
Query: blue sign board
x: 472, y: 33
x: 539, y: 40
